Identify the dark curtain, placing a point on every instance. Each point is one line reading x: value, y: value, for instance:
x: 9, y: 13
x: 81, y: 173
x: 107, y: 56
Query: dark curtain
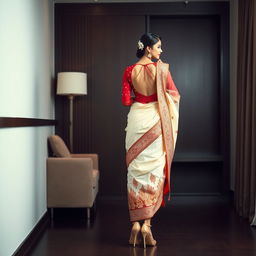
x: 245, y: 181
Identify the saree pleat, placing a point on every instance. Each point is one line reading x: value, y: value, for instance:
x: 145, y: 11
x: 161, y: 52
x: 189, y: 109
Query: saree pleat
x: 151, y: 135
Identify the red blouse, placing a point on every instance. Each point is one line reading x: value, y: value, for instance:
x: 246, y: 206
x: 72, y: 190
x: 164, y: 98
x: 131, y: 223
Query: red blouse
x: 127, y: 88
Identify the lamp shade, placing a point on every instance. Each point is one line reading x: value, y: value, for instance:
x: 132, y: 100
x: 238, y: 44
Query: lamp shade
x: 72, y: 83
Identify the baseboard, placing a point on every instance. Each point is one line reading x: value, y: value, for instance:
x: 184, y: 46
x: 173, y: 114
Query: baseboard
x: 33, y: 236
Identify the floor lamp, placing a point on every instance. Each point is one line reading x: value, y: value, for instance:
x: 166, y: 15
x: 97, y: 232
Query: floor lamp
x: 71, y: 84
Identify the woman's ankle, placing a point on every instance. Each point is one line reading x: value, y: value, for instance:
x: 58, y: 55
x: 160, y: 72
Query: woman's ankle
x: 147, y: 222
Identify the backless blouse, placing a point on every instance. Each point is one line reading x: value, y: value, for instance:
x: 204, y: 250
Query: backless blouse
x: 128, y: 88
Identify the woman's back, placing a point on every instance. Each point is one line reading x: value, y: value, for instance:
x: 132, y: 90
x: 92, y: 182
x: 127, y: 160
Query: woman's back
x: 143, y: 78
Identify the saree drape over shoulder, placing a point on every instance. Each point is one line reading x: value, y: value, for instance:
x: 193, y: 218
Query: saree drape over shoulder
x: 151, y: 134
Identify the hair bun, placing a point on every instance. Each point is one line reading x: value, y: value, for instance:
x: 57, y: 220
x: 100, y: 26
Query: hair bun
x: 147, y: 39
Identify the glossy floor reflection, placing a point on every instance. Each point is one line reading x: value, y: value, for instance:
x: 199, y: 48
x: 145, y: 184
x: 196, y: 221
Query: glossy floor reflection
x: 187, y: 226
x: 150, y: 251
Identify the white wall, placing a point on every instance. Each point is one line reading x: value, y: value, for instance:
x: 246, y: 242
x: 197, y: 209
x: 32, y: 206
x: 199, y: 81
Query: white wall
x: 26, y: 61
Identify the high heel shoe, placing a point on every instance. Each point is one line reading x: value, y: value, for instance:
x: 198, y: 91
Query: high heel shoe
x: 134, y: 234
x: 147, y: 235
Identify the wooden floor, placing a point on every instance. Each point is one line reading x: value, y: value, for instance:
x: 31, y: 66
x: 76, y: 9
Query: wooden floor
x: 187, y: 226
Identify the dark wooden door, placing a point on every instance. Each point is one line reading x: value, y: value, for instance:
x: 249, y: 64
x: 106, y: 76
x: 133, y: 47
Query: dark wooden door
x: 191, y: 45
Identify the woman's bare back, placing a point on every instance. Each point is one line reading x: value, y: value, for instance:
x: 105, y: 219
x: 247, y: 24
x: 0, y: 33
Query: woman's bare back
x: 143, y: 78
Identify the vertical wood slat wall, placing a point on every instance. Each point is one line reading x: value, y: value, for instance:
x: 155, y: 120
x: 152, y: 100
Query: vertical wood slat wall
x: 72, y: 56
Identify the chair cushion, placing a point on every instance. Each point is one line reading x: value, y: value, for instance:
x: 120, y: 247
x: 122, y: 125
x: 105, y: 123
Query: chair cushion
x: 58, y: 146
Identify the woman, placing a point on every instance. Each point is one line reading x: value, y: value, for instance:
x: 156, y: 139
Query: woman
x: 151, y: 134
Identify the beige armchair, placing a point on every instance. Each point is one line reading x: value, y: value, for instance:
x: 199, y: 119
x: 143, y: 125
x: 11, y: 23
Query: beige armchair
x: 72, y: 179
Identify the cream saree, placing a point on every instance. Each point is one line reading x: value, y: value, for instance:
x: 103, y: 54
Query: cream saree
x: 151, y: 135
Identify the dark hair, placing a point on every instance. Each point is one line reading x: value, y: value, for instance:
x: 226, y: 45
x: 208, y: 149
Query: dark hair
x: 148, y: 39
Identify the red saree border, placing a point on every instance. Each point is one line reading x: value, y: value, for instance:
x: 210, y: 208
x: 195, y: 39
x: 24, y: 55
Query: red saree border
x: 143, y: 142
x: 161, y: 80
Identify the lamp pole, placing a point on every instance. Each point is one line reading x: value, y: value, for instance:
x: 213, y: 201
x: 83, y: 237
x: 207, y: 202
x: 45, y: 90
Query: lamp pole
x: 71, y: 99
x: 71, y: 84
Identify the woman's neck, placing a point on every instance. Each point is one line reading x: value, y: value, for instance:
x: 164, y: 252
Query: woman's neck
x: 145, y: 60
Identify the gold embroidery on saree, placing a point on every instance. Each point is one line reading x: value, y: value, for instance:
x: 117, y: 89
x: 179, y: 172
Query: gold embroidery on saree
x: 146, y: 196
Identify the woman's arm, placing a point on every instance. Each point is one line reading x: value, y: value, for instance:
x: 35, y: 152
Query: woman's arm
x: 170, y: 86
x: 126, y: 90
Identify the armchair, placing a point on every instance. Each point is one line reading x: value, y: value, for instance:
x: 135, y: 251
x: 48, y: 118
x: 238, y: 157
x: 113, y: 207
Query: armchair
x: 72, y: 179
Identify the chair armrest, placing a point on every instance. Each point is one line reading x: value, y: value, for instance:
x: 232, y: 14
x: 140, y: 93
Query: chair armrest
x: 70, y: 170
x: 94, y: 157
x: 70, y: 182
